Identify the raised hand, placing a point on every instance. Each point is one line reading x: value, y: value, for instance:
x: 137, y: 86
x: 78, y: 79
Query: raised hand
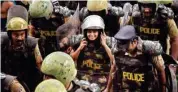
x: 103, y: 38
x: 83, y: 43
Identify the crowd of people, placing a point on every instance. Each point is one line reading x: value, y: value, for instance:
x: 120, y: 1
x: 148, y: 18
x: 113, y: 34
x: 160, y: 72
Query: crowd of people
x: 89, y: 46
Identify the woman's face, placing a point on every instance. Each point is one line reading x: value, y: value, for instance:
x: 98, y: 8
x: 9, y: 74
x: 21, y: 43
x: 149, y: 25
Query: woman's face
x: 92, y: 34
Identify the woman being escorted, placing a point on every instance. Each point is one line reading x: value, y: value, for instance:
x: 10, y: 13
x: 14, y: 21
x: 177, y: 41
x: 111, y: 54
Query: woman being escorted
x: 93, y: 57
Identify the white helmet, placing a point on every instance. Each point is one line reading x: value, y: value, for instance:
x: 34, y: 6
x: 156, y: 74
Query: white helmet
x: 40, y: 8
x: 93, y: 22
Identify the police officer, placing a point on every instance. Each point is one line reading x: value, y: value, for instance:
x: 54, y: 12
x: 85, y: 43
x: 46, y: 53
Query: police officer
x: 134, y: 60
x: 60, y: 66
x: 45, y: 20
x: 10, y: 84
x: 20, y: 56
x: 156, y: 22
x: 42, y: 26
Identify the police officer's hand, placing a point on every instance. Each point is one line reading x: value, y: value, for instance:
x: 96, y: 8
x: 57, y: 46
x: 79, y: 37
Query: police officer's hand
x: 16, y: 87
x: 103, y: 38
x: 83, y: 43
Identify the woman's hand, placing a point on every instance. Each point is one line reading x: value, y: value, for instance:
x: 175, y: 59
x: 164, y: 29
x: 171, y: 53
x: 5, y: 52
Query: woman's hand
x: 103, y: 38
x: 83, y: 43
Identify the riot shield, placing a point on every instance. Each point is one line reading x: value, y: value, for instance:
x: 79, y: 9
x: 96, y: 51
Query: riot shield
x: 17, y: 11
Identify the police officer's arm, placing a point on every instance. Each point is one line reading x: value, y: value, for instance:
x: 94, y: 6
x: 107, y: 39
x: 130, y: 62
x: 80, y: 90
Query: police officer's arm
x: 38, y: 57
x: 112, y: 61
x: 159, y: 65
x: 111, y: 76
x: 16, y: 87
x: 173, y: 33
x: 11, y: 84
x: 4, y: 8
x: 155, y: 49
x: 152, y: 47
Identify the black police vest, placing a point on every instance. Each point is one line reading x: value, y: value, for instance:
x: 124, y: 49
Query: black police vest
x: 21, y: 64
x: 46, y: 31
x: 155, y: 31
x: 46, y: 28
x: 134, y: 73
